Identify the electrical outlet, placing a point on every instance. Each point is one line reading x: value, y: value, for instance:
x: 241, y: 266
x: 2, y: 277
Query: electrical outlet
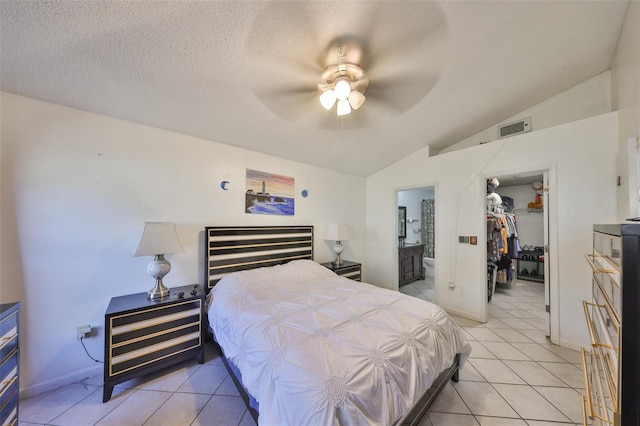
x: 83, y: 331
x: 452, y: 285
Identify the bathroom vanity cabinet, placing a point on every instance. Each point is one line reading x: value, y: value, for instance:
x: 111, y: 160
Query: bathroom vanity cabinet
x: 410, y: 266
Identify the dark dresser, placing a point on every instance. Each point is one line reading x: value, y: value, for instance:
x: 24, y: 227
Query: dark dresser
x: 142, y: 336
x: 410, y: 266
x: 612, y: 364
x: 9, y: 362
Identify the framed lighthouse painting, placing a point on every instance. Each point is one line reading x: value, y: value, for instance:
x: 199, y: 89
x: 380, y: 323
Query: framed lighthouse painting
x: 269, y: 193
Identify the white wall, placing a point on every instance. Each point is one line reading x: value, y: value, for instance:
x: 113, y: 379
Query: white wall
x: 581, y: 156
x: 626, y: 99
x: 530, y: 225
x: 587, y: 99
x: 76, y: 189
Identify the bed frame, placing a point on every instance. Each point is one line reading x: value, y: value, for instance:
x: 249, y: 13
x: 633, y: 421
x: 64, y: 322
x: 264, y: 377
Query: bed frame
x: 235, y: 248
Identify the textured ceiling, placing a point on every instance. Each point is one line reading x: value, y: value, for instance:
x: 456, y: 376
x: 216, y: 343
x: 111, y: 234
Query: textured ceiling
x: 245, y: 73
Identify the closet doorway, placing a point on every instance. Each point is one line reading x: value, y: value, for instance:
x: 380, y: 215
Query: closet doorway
x: 524, y: 201
x: 417, y: 257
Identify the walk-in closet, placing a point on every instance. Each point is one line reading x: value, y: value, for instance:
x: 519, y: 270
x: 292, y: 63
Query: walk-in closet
x: 515, y: 231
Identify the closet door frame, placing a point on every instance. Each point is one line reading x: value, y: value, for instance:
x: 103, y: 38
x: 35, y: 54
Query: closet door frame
x: 549, y: 173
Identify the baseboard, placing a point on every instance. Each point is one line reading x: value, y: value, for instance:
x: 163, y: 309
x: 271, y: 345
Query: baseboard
x: 38, y: 388
x: 571, y: 345
x: 464, y: 314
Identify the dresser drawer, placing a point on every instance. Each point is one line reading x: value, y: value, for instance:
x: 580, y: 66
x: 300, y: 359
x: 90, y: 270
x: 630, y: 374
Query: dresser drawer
x: 607, y: 310
x: 8, y: 335
x: 599, y: 405
x: 8, y: 378
x: 412, y: 251
x: 9, y: 411
x: 351, y: 272
x: 347, y: 269
x: 608, y: 246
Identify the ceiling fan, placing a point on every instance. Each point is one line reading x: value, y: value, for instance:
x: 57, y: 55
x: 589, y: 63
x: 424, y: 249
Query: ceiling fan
x: 379, y: 58
x: 343, y: 84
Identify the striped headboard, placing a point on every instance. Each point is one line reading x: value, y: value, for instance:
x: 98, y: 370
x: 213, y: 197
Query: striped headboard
x: 236, y: 248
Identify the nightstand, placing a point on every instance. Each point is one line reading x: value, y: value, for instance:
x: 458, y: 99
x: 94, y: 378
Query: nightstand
x: 143, y: 336
x: 347, y: 269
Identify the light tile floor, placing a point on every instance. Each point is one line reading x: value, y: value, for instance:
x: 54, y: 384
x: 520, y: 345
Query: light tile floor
x: 514, y: 377
x: 423, y: 289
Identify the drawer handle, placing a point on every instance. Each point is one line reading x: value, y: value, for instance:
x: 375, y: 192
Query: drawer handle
x: 8, y: 384
x: 586, y: 384
x: 594, y: 341
x: 6, y: 340
x: 595, y: 268
x: 612, y: 312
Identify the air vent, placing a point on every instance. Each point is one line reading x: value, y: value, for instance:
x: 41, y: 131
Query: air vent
x: 522, y: 126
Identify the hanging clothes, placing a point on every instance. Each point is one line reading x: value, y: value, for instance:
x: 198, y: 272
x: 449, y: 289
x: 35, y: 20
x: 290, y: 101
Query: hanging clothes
x: 503, y: 245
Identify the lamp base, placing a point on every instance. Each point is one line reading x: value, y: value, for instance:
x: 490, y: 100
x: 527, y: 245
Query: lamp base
x: 158, y: 268
x: 158, y: 292
x: 338, y: 249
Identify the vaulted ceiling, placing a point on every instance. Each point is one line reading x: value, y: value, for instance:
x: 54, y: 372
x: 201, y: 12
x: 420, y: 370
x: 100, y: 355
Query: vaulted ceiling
x: 245, y: 73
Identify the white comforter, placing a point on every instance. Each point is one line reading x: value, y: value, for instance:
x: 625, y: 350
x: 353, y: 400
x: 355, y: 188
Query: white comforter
x: 318, y: 349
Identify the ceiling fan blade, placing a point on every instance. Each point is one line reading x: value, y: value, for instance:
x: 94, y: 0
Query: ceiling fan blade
x: 403, y: 32
x: 284, y: 35
x: 399, y: 94
x: 288, y: 103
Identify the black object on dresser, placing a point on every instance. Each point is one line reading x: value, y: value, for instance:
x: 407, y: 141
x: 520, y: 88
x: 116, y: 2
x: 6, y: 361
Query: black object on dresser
x: 347, y: 269
x: 410, y: 266
x: 142, y: 336
x: 612, y: 364
x: 9, y: 362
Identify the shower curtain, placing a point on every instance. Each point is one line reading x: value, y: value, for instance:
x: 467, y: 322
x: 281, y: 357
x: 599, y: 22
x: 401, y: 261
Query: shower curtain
x: 429, y: 227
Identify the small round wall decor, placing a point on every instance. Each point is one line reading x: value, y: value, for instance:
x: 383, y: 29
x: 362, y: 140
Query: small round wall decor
x: 224, y: 184
x: 305, y: 193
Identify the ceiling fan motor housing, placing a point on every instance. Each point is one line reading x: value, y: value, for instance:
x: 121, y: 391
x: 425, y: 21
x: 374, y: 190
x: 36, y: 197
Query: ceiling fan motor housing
x: 353, y: 73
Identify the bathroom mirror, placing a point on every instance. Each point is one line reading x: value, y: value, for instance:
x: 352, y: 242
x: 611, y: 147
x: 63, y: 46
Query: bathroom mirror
x: 402, y: 222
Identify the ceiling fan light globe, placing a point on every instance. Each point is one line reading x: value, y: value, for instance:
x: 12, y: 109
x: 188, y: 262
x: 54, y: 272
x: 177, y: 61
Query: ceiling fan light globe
x: 342, y: 89
x: 343, y: 107
x: 327, y: 99
x: 356, y: 99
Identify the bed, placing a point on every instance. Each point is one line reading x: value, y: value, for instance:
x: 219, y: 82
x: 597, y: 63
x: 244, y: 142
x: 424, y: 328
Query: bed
x: 306, y: 346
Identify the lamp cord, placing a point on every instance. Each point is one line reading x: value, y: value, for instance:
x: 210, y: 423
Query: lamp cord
x: 87, y: 352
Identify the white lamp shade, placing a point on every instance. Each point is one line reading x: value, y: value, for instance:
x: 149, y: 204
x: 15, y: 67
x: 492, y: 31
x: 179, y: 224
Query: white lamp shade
x: 338, y: 232
x: 158, y: 238
x: 342, y: 89
x: 356, y: 99
x: 343, y: 107
x: 327, y: 99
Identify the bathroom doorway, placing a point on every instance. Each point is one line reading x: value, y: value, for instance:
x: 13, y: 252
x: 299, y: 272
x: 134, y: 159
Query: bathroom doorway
x: 417, y: 249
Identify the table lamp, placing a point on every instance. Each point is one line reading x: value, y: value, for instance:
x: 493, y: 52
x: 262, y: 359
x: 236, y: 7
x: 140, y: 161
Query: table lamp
x: 158, y: 239
x: 337, y: 233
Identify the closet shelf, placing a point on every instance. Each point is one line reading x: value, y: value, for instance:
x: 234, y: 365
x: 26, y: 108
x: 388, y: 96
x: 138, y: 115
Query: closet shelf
x: 528, y: 210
